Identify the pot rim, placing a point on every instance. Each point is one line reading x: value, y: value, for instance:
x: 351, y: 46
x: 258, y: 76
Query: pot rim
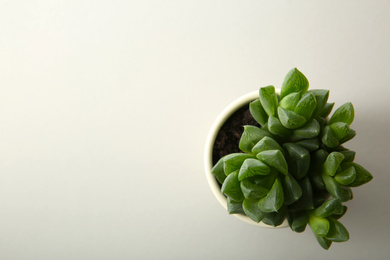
x: 208, y: 154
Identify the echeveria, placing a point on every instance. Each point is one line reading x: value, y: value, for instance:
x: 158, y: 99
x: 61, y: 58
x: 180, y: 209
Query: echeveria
x: 294, y: 166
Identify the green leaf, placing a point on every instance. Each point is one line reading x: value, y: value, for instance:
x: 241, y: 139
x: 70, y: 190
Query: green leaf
x: 232, y: 162
x: 258, y: 113
x: 337, y: 232
x: 292, y: 190
x: 310, y: 144
x: 268, y: 100
x: 345, y: 114
x: 337, y: 191
x: 319, y: 226
x: 319, y: 197
x: 290, y: 101
x: 339, y: 130
x: 324, y: 243
x: 321, y: 121
x: 298, y: 159
x: 310, y: 130
x: 321, y: 96
x: 306, y: 106
x: 252, y: 167
x: 273, y: 201
x: 234, y: 207
x: 290, y: 119
x: 250, y: 137
x: 231, y: 187
x: 275, y: 218
x: 362, y: 175
x: 298, y: 221
x: 275, y: 159
x: 294, y: 81
x: 315, y: 170
x: 333, y: 162
x: 326, y: 110
x: 218, y: 171
x: 276, y: 127
x: 346, y: 177
x: 349, y: 155
x: 252, y: 190
x: 338, y: 215
x: 252, y: 210
x: 328, y: 208
x: 267, y: 143
x: 351, y: 134
x: 320, y: 157
x: 305, y: 202
x: 329, y: 139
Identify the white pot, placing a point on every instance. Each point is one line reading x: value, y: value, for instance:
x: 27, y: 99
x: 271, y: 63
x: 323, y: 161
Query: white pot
x: 208, y: 155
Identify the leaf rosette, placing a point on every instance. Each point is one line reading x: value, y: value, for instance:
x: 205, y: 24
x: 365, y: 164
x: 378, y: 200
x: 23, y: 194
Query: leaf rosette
x: 294, y: 165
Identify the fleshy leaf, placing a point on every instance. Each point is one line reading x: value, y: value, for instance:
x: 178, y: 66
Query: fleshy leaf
x: 276, y: 127
x: 298, y: 159
x: 328, y: 208
x: 333, y: 162
x: 337, y: 232
x: 310, y: 144
x: 275, y: 159
x: 329, y: 139
x: 336, y: 190
x: 351, y: 134
x: 251, y: 190
x: 321, y: 96
x: 345, y: 114
x: 298, y: 221
x: 338, y: 215
x: 268, y: 100
x: 290, y: 101
x: 218, y: 171
x: 292, y: 190
x: 273, y: 201
x: 234, y: 207
x: 349, y: 155
x: 252, y: 167
x: 294, y: 81
x: 339, y: 130
x: 324, y: 243
x: 318, y: 159
x: 258, y: 113
x: 305, y: 202
x: 306, y: 106
x: 267, y: 143
x: 346, y: 177
x: 326, y: 110
x: 310, y: 130
x: 252, y: 210
x: 232, y: 162
x: 290, y: 119
x: 319, y: 226
x: 250, y: 137
x: 275, y: 218
x: 362, y: 175
x: 231, y: 187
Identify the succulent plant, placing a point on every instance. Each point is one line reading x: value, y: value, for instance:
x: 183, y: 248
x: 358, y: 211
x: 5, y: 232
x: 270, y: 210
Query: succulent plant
x: 295, y: 165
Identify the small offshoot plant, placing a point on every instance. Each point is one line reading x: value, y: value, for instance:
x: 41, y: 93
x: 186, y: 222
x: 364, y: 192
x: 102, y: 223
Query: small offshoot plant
x: 295, y: 165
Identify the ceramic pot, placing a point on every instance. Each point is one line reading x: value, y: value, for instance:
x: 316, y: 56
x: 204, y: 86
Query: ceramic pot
x: 208, y: 155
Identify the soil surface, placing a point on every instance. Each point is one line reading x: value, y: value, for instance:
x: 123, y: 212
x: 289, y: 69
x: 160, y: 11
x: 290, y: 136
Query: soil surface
x: 230, y: 133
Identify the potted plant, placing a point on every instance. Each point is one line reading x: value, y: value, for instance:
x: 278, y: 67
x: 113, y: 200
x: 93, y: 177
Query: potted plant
x: 288, y: 166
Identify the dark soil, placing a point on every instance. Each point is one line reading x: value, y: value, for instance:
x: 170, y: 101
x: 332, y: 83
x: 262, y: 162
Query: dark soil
x: 230, y: 133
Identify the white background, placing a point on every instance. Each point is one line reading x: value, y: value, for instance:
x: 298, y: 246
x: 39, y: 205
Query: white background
x: 105, y: 107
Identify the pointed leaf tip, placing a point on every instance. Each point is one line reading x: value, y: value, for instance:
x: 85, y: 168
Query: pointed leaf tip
x: 345, y: 113
x: 294, y: 81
